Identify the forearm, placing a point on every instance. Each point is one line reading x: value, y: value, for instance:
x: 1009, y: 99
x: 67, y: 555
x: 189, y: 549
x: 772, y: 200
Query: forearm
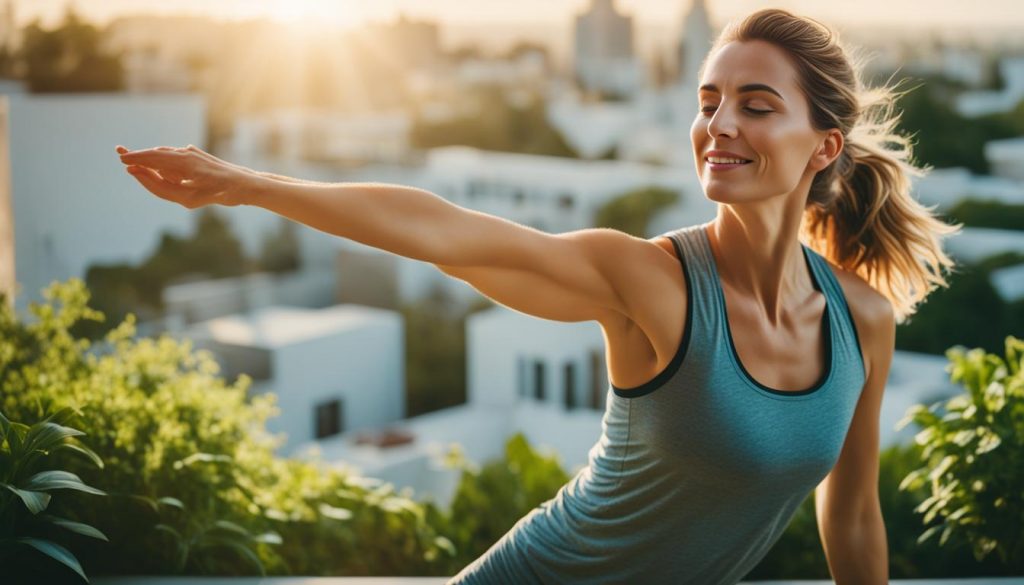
x: 403, y: 220
x: 858, y: 552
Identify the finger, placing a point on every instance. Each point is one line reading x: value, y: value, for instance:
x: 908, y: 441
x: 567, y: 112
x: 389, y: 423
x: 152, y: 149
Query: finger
x: 157, y: 185
x: 121, y: 150
x: 154, y: 157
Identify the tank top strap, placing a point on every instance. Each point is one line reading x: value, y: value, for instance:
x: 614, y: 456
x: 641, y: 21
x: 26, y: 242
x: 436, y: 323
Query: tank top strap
x: 693, y: 248
x: 841, y: 317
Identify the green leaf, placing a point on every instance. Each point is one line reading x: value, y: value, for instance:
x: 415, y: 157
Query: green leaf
x: 201, y: 458
x: 83, y: 450
x: 172, y: 502
x: 57, y: 552
x: 77, y: 527
x: 47, y: 435
x: 36, y: 502
x: 56, y: 480
x: 928, y: 533
x: 230, y: 528
x: 268, y: 538
x: 5, y: 427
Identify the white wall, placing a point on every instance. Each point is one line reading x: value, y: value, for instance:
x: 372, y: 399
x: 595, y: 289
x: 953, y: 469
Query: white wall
x: 73, y: 203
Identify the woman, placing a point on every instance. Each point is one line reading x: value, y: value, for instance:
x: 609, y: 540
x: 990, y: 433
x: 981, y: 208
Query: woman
x: 746, y: 367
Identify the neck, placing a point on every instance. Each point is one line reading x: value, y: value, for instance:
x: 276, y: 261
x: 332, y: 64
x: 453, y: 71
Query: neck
x: 759, y: 256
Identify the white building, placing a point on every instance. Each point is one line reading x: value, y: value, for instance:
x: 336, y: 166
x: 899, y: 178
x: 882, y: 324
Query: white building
x: 695, y: 44
x: 294, y: 134
x: 975, y: 244
x: 73, y: 203
x: 1009, y: 282
x: 1007, y: 159
x: 548, y: 380
x: 944, y: 188
x: 605, y: 60
x: 979, y: 103
x: 333, y: 370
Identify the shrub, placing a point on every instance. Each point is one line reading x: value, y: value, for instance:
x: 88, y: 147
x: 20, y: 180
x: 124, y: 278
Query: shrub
x: 974, y: 455
x: 190, y: 469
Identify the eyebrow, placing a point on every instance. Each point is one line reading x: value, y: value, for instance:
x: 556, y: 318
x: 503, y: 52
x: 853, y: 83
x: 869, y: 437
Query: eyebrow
x: 744, y: 88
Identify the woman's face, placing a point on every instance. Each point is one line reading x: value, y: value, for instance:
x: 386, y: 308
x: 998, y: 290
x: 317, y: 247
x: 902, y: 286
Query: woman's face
x: 751, y: 105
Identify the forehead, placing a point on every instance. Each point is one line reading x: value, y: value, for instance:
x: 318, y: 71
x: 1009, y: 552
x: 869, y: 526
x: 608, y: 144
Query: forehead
x: 740, y: 63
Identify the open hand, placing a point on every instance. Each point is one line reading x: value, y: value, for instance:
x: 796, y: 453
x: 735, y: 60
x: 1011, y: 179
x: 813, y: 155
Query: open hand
x: 187, y: 176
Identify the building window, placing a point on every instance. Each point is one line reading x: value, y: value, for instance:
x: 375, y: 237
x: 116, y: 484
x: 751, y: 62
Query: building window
x: 570, y: 385
x: 538, y: 380
x: 328, y: 417
x: 598, y: 380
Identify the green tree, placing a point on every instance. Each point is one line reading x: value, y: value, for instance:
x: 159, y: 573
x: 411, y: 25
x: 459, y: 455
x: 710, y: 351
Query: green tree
x: 986, y: 213
x: 69, y: 58
x: 281, y: 251
x: 631, y: 212
x: 213, y: 251
x: 435, y: 351
x: 499, y: 124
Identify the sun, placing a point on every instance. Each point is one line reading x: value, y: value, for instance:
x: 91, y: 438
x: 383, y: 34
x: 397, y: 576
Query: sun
x: 333, y: 13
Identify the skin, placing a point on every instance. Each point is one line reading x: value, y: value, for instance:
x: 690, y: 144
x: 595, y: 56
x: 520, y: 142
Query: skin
x: 773, y: 310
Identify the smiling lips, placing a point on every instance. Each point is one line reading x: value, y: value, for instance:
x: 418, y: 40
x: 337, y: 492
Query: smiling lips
x: 722, y: 160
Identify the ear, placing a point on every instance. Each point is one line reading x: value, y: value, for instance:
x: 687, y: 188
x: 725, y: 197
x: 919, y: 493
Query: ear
x: 829, y: 150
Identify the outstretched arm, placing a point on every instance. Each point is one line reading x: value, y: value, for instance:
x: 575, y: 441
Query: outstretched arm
x: 575, y: 276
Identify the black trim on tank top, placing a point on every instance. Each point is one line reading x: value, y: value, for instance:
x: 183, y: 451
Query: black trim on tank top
x: 826, y: 328
x: 659, y: 380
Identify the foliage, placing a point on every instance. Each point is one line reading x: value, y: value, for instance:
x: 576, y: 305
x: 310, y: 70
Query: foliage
x: 69, y: 58
x: 190, y: 468
x: 280, y: 252
x: 212, y: 251
x: 987, y: 214
x: 25, y: 488
x: 969, y: 312
x: 632, y: 211
x: 974, y: 454
x: 944, y: 138
x: 489, y: 501
x: 495, y: 122
x: 435, y: 351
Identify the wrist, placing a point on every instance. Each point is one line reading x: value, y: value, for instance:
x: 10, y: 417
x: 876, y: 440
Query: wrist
x: 253, y: 188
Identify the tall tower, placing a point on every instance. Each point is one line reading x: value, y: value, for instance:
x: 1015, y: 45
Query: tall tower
x: 694, y: 45
x: 604, y: 57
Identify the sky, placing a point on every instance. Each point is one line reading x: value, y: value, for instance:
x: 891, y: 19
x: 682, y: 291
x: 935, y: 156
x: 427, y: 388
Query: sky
x: 909, y: 13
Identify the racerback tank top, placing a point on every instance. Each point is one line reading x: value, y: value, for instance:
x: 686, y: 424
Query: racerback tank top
x: 697, y: 472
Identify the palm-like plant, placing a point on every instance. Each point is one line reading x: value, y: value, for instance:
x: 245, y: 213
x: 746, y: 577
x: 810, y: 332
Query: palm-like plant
x: 25, y: 486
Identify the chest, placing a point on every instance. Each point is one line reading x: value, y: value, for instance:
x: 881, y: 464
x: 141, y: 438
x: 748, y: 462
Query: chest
x: 711, y: 420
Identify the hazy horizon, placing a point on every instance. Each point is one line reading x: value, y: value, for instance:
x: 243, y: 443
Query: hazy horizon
x: 999, y: 14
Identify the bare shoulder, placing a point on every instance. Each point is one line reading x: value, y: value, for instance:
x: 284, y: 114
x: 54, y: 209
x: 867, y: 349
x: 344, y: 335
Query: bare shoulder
x: 640, y: 268
x: 872, y: 316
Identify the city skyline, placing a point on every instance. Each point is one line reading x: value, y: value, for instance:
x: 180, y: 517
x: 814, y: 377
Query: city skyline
x: 909, y: 13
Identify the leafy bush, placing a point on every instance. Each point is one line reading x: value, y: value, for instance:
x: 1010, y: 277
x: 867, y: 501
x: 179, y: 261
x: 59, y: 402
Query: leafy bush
x: 974, y: 454
x: 25, y: 489
x: 190, y: 469
x: 489, y: 501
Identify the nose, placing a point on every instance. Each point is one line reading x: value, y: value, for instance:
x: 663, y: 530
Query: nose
x: 722, y: 123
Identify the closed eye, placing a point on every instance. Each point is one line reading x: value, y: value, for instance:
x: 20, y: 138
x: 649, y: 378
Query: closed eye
x: 756, y: 112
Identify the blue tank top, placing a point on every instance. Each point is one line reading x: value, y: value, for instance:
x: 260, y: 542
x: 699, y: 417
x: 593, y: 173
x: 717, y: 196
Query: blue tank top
x: 697, y: 472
